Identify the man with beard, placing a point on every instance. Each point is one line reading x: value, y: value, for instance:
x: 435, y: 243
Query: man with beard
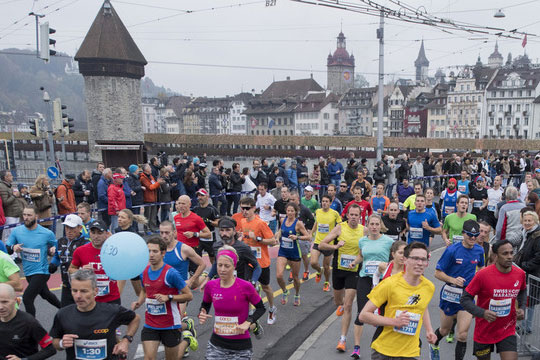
x: 449, y: 198
x: 34, y: 243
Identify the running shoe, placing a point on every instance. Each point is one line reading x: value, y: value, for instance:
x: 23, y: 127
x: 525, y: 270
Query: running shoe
x: 186, y: 353
x: 318, y: 278
x: 306, y: 276
x: 290, y: 277
x: 341, y: 346
x: 340, y: 310
x: 284, y: 297
x: 434, y: 352
x: 326, y: 286
x: 192, y: 341
x: 271, y: 315
x: 356, y: 353
x: 296, y: 300
x: 190, y: 325
x: 450, y: 337
x: 258, y: 331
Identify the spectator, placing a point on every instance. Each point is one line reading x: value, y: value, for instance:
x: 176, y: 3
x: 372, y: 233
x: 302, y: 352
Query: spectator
x: 201, y: 177
x: 12, y: 206
x: 282, y: 167
x: 96, y: 176
x: 276, y: 191
x: 417, y: 168
x: 350, y: 173
x: 190, y: 184
x: 165, y: 193
x: 292, y: 175
x: 43, y: 200
x: 216, y: 191
x: 83, y: 188
x: 509, y: 219
x: 302, y: 172
x: 135, y: 186
x: 379, y: 174
x: 116, y: 198
x: 335, y: 169
x: 257, y: 174
x: 236, y: 180
x: 404, y: 168
x: 151, y: 186
x: 274, y: 174
x: 103, y: 202
x: 315, y: 176
x: 23, y: 194
x: 248, y: 187
x: 155, y: 166
x: 65, y: 198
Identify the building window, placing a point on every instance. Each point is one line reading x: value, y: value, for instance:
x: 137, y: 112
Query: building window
x: 526, y: 121
x: 517, y: 121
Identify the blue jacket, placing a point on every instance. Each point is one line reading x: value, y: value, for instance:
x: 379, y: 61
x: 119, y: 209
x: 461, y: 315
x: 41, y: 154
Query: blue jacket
x: 332, y: 170
x: 292, y: 176
x: 103, y: 199
x: 214, y: 184
x: 127, y: 193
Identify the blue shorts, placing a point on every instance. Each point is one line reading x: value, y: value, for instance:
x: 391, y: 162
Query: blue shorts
x: 293, y: 254
x: 449, y: 308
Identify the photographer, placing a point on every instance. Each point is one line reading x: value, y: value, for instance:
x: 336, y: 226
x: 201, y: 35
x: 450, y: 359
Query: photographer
x: 43, y: 199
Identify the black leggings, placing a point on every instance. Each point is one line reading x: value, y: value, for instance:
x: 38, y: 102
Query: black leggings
x: 37, y: 285
x: 363, y: 287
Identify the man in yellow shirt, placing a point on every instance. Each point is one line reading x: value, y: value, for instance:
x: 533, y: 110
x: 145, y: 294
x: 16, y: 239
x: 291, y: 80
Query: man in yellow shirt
x: 409, y: 203
x: 403, y: 301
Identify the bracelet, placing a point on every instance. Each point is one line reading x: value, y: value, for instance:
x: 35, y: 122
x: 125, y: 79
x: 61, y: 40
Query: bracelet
x: 61, y: 344
x: 197, y: 234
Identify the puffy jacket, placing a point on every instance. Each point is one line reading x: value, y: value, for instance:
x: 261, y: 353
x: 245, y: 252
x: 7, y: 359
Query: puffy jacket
x: 214, y: 184
x: 151, y: 185
x: 529, y: 255
x: 12, y: 206
x: 333, y: 169
x: 43, y: 199
x: 509, y: 223
x: 117, y: 199
x: 67, y: 205
x: 135, y: 185
x: 102, y: 187
x: 80, y: 187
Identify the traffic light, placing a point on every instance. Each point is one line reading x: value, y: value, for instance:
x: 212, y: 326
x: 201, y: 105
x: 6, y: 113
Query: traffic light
x: 45, y: 51
x: 59, y: 115
x: 34, y: 127
x: 68, y: 126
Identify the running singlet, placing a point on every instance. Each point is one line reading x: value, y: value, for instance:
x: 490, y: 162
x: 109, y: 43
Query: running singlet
x: 289, y: 248
x: 261, y: 229
x: 397, y: 296
x: 463, y: 186
x: 497, y: 292
x: 454, y: 224
x: 165, y: 281
x: 373, y: 252
x: 326, y: 221
x: 35, y: 244
x: 192, y: 222
x: 96, y: 329
x: 346, y: 254
x: 174, y: 258
x: 416, y: 231
x: 449, y: 202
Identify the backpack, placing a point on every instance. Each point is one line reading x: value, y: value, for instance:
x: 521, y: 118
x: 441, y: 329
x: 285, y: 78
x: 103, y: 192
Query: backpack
x: 56, y: 196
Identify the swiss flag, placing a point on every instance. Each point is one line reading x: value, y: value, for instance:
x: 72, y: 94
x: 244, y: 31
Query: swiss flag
x: 524, y: 42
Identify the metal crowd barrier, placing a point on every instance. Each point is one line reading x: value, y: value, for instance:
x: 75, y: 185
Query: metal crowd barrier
x: 528, y: 330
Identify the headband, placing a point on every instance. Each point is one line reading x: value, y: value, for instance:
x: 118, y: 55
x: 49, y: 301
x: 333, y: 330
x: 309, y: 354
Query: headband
x: 230, y: 254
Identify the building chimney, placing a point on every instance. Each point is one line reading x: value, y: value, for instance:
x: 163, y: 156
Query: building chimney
x: 288, y: 78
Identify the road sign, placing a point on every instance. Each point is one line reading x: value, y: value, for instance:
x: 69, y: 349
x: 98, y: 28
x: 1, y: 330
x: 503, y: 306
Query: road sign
x: 52, y: 172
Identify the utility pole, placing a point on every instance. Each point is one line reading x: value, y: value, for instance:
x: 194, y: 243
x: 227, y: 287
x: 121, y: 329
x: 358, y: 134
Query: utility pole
x: 380, y: 108
x: 49, y: 125
x: 37, y: 16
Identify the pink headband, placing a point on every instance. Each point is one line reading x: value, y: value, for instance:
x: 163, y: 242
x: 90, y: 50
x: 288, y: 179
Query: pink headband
x: 230, y: 254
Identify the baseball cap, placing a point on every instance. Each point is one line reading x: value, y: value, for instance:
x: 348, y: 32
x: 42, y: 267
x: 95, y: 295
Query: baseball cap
x: 72, y: 221
x: 99, y: 224
x: 117, y: 176
x: 308, y: 188
x: 202, y: 192
x: 538, y: 170
x: 279, y: 179
x: 478, y: 178
x: 203, y: 165
x: 471, y: 227
x: 227, y: 223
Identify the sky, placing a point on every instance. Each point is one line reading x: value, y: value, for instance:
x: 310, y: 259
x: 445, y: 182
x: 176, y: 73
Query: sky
x: 195, y: 47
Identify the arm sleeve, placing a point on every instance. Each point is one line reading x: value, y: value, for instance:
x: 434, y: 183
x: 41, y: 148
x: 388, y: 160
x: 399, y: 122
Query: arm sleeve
x: 57, y: 331
x: 467, y: 302
x: 522, y: 298
x: 44, y: 353
x: 259, y: 311
x: 40, y: 336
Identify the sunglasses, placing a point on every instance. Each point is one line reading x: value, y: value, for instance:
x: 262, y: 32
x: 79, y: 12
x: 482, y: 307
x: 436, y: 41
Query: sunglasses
x: 343, y: 186
x: 245, y: 207
x: 470, y: 234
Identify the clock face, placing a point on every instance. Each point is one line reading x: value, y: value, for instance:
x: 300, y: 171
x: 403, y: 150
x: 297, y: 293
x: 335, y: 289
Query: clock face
x: 347, y: 75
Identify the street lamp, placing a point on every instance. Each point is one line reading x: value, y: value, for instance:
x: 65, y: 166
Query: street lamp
x: 499, y: 14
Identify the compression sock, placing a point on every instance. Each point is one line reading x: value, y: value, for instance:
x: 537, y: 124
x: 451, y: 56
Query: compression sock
x: 439, y: 337
x: 461, y: 348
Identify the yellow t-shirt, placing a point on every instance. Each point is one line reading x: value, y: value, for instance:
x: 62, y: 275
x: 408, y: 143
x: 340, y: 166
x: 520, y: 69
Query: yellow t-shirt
x: 409, y: 202
x: 397, y: 295
x: 326, y: 221
x: 348, y: 252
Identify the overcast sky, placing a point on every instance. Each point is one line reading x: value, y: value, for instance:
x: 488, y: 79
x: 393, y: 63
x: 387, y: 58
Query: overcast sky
x: 289, y: 39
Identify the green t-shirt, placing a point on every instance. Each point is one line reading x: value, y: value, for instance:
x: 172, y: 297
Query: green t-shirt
x: 311, y: 204
x: 7, y: 267
x: 454, y: 224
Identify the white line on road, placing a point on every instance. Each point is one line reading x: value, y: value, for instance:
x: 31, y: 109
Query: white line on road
x: 301, y: 351
x: 140, y: 352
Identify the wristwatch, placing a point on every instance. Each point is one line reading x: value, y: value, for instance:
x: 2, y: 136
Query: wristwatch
x: 129, y: 338
x: 171, y: 297
x: 259, y: 239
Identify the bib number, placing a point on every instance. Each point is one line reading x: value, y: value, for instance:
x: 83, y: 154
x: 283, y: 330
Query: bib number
x: 371, y: 267
x: 90, y: 349
x: 323, y: 228
x: 457, y: 238
x: 448, y: 210
x: 32, y: 255
x: 103, y: 287
x: 346, y: 260
x: 256, y: 251
x: 225, y: 325
x: 461, y: 188
x: 477, y: 203
x: 154, y: 307
x: 409, y: 329
x: 400, y: 206
x: 451, y: 294
x: 286, y: 243
x: 501, y: 307
x: 492, y: 208
x: 393, y: 237
x: 416, y: 233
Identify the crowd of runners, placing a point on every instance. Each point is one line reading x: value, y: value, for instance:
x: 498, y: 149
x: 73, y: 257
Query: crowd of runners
x: 366, y: 233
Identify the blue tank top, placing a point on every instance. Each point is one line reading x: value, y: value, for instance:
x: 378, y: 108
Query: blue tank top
x: 449, y: 203
x: 288, y: 248
x: 174, y: 259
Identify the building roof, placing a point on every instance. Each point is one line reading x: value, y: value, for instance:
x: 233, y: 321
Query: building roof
x: 421, y: 60
x: 290, y: 88
x: 341, y: 56
x: 316, y: 102
x: 108, y: 39
x: 496, y: 54
x: 482, y: 75
x: 177, y: 103
x: 530, y: 75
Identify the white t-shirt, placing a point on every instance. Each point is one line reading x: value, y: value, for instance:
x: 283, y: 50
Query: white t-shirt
x: 523, y: 191
x: 494, y: 197
x: 262, y: 201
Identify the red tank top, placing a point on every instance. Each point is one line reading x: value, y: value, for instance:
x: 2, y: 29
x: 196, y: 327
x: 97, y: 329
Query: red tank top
x: 158, y: 315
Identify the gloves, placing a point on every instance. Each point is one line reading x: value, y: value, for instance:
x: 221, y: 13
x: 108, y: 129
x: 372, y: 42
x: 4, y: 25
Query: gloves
x: 52, y: 268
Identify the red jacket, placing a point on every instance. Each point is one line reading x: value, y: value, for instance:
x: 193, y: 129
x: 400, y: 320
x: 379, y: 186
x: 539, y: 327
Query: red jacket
x: 116, y: 199
x: 151, y: 185
x: 68, y: 204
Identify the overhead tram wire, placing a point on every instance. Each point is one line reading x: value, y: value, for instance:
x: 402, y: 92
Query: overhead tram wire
x: 26, y: 16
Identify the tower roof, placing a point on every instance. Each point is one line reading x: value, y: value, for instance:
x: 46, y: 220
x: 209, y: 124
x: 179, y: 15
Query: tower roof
x: 341, y: 55
x: 109, y: 41
x: 496, y: 54
x: 421, y: 60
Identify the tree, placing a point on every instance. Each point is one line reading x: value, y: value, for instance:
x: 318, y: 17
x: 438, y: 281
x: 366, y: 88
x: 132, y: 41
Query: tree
x: 360, y: 81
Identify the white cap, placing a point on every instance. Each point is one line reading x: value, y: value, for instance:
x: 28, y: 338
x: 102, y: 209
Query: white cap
x: 73, y: 220
x: 308, y: 188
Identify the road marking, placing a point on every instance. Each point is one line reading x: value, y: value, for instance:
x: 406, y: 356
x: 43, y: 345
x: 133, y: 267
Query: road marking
x: 308, y: 343
x: 140, y: 351
x: 288, y: 287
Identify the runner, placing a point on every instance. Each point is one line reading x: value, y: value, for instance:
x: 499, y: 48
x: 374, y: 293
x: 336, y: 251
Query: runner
x: 344, y: 278
x: 403, y: 301
x: 231, y: 297
x: 10, y: 273
x: 292, y: 229
x: 395, y: 266
x: 73, y: 239
x: 483, y: 241
x: 394, y: 223
x: 325, y: 221
x: 430, y: 204
x: 87, y: 329
x: 163, y: 292
x: 308, y: 200
x: 403, y: 191
x: 463, y: 183
x: 453, y: 223
x: 34, y: 243
x: 479, y: 197
x: 361, y: 183
x: 258, y: 236
x: 210, y: 216
x: 265, y: 205
x: 494, y: 197
x: 456, y: 268
x: 308, y: 220
x: 448, y: 199
x: 497, y: 288
x: 374, y: 249
x: 335, y: 204
x: 409, y: 203
x: 344, y: 195
x: 20, y: 332
x: 85, y: 213
x: 379, y: 203
x: 365, y: 207
x: 88, y: 257
x: 422, y: 223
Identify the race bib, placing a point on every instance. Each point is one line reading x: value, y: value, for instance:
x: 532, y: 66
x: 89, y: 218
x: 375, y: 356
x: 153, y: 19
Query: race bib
x: 492, y: 208
x: 411, y: 328
x: 323, y: 228
x: 462, y: 188
x: 371, y: 267
x: 451, y: 294
x: 90, y: 349
x: 225, y: 325
x: 32, y: 255
x: 416, y: 233
x: 457, y: 238
x: 400, y: 206
x: 103, y: 287
x: 477, y: 203
x: 393, y: 237
x: 286, y: 243
x: 448, y: 210
x: 346, y: 260
x: 500, y: 307
x: 256, y: 251
x: 154, y: 307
